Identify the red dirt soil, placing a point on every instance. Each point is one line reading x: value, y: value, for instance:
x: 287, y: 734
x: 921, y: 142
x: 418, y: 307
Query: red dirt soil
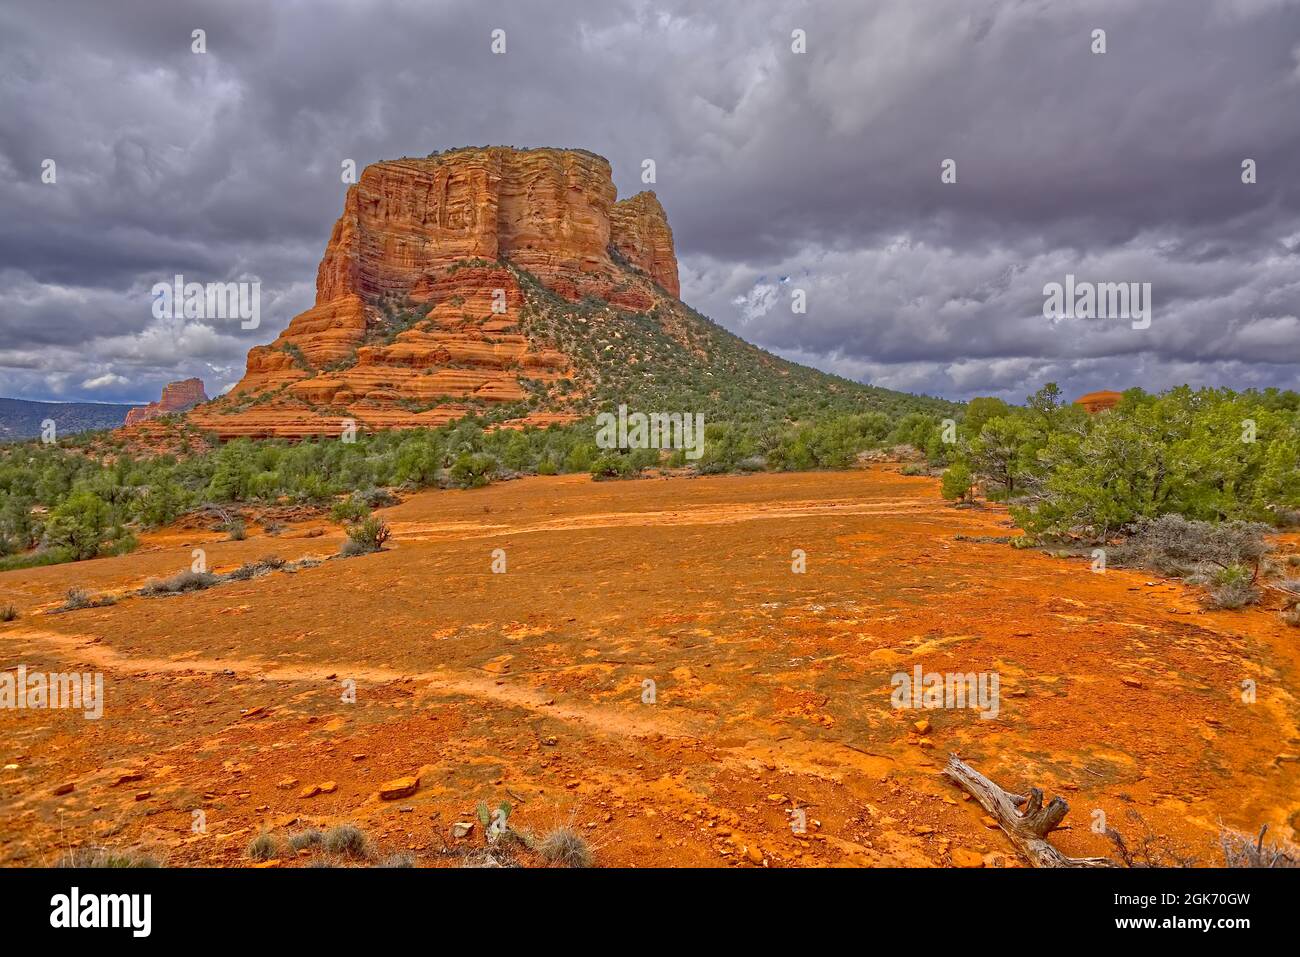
x: 1118, y: 691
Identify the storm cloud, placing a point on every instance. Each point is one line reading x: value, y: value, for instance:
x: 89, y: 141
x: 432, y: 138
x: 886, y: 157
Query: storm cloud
x: 780, y: 171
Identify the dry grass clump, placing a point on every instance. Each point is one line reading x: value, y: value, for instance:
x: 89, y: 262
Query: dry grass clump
x: 107, y: 857
x: 306, y: 839
x: 262, y: 566
x: 180, y: 582
x: 565, y: 847
x: 347, y: 840
x: 1224, y: 557
x: 263, y: 847
x: 78, y: 598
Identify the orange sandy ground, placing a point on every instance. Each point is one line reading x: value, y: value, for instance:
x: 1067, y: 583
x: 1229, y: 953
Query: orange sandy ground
x: 773, y: 688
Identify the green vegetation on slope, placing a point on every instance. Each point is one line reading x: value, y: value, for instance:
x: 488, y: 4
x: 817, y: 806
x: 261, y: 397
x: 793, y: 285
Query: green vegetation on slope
x: 672, y: 358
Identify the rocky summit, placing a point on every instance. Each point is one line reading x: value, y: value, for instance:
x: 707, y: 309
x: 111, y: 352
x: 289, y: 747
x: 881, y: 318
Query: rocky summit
x: 427, y: 287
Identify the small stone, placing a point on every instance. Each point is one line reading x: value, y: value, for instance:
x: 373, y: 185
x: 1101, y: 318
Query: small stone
x: 329, y: 787
x: 143, y: 795
x: 754, y: 854
x: 922, y: 726
x: 462, y: 829
x: 64, y: 789
x: 287, y: 784
x: 1132, y: 682
x: 961, y: 857
x: 310, y: 791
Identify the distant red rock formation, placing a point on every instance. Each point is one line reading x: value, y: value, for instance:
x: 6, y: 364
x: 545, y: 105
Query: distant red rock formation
x: 176, y: 397
x: 445, y: 233
x: 1095, y: 402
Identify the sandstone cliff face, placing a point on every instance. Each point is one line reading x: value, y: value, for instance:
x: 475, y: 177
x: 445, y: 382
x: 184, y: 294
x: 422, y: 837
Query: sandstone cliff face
x: 639, y: 231
x: 547, y: 211
x: 176, y: 397
x: 441, y: 234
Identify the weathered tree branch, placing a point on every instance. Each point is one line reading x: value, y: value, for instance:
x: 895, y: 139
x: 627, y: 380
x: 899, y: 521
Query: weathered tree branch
x: 1027, y: 830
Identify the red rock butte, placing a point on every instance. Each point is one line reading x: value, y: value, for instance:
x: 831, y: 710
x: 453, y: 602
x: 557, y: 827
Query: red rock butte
x: 451, y: 233
x: 176, y: 397
x: 1095, y: 402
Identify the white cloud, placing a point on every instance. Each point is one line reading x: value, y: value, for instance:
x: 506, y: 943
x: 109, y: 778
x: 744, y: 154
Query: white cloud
x: 104, y: 381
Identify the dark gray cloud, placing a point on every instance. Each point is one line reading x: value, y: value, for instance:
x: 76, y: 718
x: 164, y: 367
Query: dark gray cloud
x: 817, y: 171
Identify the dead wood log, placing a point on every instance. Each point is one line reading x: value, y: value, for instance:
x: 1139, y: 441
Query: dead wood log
x: 1027, y: 829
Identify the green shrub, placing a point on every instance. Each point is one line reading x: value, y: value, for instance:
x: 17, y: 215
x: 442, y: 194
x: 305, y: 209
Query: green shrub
x: 472, y: 470
x: 36, y: 559
x: 375, y: 497
x: 957, y: 482
x: 612, y: 465
x: 79, y: 524
x: 1233, y: 587
x: 349, y: 510
x: 368, y: 535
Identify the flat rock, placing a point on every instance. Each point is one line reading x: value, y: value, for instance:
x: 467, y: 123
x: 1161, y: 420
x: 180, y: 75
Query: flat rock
x: 398, y: 788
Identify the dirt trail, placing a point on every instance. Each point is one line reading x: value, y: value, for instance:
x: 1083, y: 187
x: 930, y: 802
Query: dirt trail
x: 701, y: 515
x: 86, y: 654
x: 653, y: 667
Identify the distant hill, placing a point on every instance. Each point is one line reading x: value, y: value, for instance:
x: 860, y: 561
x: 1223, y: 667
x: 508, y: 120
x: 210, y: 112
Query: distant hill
x: 22, y: 418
